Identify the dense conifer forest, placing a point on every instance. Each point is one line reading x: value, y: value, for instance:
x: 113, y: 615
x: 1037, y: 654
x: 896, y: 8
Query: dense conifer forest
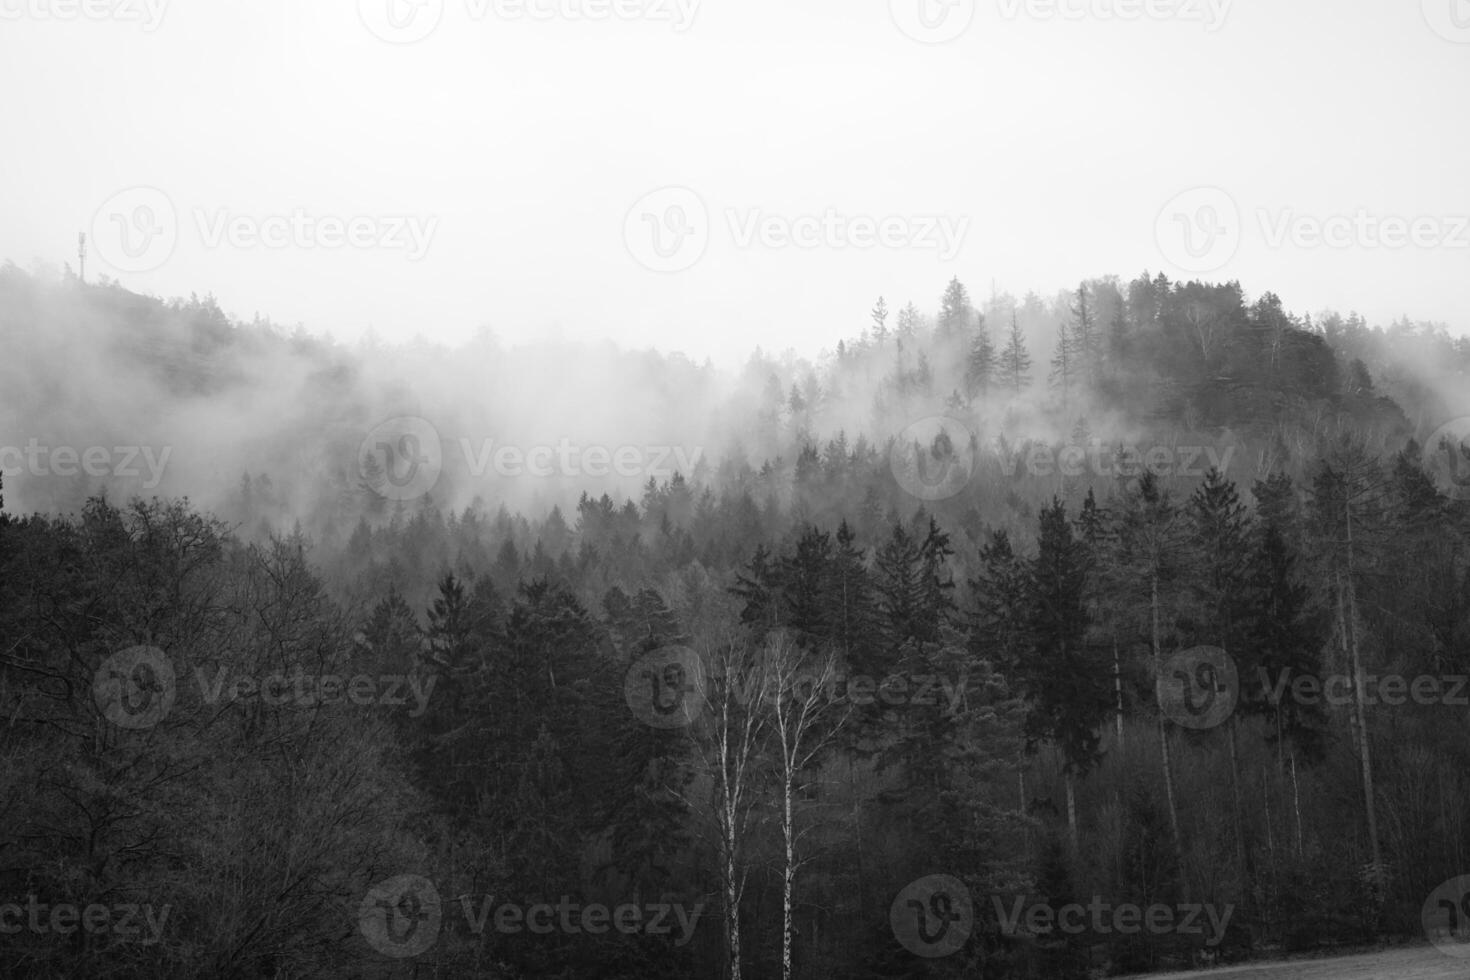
x: 1148, y: 594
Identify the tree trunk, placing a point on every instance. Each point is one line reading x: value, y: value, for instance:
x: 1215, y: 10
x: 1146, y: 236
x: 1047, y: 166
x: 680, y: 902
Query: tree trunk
x: 1270, y: 830
x: 1118, y: 689
x: 1072, y: 811
x: 857, y: 831
x: 1347, y: 622
x: 1296, y: 800
x: 1163, y: 731
x: 732, y: 919
x: 788, y: 880
x: 1025, y: 804
x: 1242, y: 850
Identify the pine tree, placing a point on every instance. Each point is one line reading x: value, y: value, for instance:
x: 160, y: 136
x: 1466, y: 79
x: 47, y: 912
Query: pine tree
x: 1287, y: 634
x: 1063, y: 376
x: 913, y: 588
x: 879, y: 317
x: 1151, y: 545
x: 1066, y: 684
x: 955, y: 310
x: 1000, y: 624
x: 508, y: 566
x: 451, y: 633
x: 795, y: 403
x: 850, y: 602
x: 648, y: 815
x: 1087, y: 339
x: 759, y: 584
x: 1348, y: 531
x: 981, y: 365
x: 803, y: 577
x: 457, y: 639
x: 923, y: 379
x: 1220, y: 533
x: 1220, y: 530
x: 374, y: 478
x: 1099, y: 537
x: 391, y: 635
x: 1015, y: 360
x: 897, y: 580
x: 908, y: 324
x: 938, y: 595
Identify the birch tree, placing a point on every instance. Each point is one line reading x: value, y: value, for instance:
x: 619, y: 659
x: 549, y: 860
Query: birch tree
x: 728, y: 744
x: 803, y: 724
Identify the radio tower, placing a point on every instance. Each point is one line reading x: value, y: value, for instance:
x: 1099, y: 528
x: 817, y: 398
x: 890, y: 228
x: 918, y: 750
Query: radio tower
x: 82, y: 255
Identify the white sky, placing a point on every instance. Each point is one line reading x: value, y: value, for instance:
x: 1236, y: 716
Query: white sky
x: 528, y: 140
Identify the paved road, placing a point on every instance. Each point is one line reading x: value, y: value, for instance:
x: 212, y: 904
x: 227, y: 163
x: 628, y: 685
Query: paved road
x: 1420, y: 963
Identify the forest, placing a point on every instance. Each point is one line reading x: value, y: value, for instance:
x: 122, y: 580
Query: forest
x: 1115, y: 631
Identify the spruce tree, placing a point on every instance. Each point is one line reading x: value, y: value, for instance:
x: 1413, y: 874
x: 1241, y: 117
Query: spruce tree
x: 879, y: 317
x: 803, y: 581
x: 1015, y: 361
x: 980, y: 366
x: 955, y: 310
x: 1063, y: 377
x: 1067, y: 685
x: 1220, y: 535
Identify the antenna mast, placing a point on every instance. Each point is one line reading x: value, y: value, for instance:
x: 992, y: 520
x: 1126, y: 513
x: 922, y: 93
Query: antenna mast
x: 82, y: 254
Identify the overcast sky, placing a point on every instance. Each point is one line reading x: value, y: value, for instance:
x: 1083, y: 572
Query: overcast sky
x: 709, y: 176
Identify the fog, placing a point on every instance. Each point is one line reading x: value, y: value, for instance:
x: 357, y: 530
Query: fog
x: 106, y: 390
